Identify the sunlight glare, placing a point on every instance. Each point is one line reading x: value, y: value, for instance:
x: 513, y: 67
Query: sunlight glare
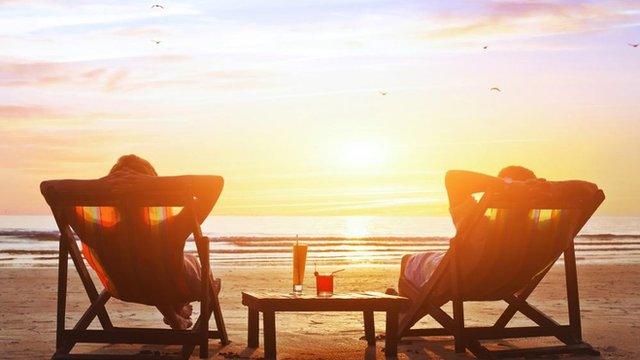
x: 357, y: 227
x: 362, y: 154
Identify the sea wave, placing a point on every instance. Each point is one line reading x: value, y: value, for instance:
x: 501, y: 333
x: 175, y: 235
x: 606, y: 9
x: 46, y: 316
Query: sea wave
x: 22, y: 247
x: 31, y: 234
x: 37, y: 235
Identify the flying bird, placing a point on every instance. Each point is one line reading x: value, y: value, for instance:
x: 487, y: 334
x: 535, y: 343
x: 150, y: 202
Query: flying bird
x: 157, y: 6
x: 495, y: 89
x: 634, y: 45
x: 485, y: 47
x: 157, y: 42
x: 383, y: 93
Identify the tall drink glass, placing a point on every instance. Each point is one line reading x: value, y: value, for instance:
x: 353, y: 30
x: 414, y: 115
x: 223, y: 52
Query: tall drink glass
x: 299, y: 262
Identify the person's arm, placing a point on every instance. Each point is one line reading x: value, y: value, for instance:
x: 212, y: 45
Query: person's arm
x: 201, y: 187
x: 118, y: 181
x: 203, y: 207
x: 462, y: 184
x: 206, y: 199
x: 574, y: 189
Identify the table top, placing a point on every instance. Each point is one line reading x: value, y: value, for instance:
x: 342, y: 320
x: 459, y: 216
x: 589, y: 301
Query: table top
x: 353, y: 301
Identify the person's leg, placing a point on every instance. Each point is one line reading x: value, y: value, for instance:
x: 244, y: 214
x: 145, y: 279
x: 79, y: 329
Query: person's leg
x: 178, y: 316
x: 192, y: 273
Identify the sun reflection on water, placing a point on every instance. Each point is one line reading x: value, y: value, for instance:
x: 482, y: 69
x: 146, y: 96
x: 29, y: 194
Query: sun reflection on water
x: 357, y: 226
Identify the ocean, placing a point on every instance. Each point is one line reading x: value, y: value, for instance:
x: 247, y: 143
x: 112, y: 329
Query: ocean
x: 32, y: 241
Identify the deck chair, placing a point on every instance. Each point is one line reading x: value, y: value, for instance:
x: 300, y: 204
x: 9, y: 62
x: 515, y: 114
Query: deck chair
x: 525, y: 235
x: 126, y: 231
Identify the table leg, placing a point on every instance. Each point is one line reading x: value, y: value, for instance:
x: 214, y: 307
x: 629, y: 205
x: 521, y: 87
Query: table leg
x: 253, y: 330
x: 369, y: 328
x: 391, y: 336
x: 269, y: 318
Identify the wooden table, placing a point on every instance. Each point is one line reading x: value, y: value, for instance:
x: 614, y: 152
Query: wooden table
x: 367, y: 302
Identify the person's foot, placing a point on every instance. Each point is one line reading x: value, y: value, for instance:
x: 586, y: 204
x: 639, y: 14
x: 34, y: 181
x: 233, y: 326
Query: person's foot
x: 185, y: 310
x: 178, y: 323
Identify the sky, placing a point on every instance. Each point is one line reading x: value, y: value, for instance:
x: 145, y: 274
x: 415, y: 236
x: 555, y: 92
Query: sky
x: 321, y: 107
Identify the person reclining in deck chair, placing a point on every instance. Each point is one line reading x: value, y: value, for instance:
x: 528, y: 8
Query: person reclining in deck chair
x: 127, y: 170
x: 461, y: 185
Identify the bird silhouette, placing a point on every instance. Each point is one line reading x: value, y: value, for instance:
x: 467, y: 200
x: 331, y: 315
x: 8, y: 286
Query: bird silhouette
x: 634, y: 45
x: 495, y: 89
x: 485, y: 47
x: 383, y: 93
x: 157, y: 6
x: 157, y: 42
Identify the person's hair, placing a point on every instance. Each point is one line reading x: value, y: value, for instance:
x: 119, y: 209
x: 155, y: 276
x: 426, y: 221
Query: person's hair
x: 517, y: 173
x: 133, y: 163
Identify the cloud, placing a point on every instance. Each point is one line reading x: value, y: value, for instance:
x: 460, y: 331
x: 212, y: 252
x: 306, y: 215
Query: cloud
x: 227, y: 81
x: 115, y: 79
x: 32, y: 150
x: 21, y: 119
x: 94, y: 74
x: 107, y: 74
x: 49, y: 15
x: 20, y: 112
x: 130, y: 74
x: 44, y: 74
x: 147, y: 32
x: 518, y: 19
x: 81, y: 144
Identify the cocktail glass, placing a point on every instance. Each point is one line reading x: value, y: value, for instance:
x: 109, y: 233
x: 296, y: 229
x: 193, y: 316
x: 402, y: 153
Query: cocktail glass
x: 324, y: 285
x: 299, y: 262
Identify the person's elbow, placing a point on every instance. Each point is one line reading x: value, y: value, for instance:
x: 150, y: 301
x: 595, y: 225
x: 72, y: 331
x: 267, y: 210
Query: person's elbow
x: 452, y: 178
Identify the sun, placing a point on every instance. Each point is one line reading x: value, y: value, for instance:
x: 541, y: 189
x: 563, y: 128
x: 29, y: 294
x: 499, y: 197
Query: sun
x: 362, y: 154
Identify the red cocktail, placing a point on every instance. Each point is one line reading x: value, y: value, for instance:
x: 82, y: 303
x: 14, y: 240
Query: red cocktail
x: 324, y: 285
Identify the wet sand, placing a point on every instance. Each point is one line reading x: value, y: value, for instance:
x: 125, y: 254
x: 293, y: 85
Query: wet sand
x: 610, y: 300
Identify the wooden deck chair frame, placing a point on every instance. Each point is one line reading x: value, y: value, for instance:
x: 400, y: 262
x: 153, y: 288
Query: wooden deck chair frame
x: 469, y: 337
x: 66, y: 339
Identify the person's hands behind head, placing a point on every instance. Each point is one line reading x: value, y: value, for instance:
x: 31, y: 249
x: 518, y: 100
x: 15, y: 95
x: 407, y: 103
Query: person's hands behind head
x: 124, y: 180
x: 499, y: 186
x: 521, y: 189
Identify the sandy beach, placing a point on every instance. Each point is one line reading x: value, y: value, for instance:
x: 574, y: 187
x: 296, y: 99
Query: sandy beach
x: 609, y: 299
x: 495, y: 132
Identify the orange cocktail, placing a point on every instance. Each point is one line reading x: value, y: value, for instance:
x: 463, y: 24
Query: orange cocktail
x: 299, y: 262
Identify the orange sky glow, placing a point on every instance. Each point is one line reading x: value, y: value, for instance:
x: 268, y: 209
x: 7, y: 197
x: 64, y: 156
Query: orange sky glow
x: 321, y: 108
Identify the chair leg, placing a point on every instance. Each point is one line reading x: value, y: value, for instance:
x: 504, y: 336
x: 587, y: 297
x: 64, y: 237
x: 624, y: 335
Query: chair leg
x: 63, y: 263
x: 512, y: 309
x: 573, y: 299
x: 540, y: 318
x: 217, y: 315
x: 204, y: 325
x: 458, y: 326
x: 204, y: 348
x: 89, y: 286
x: 206, y: 290
x: 187, y: 350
